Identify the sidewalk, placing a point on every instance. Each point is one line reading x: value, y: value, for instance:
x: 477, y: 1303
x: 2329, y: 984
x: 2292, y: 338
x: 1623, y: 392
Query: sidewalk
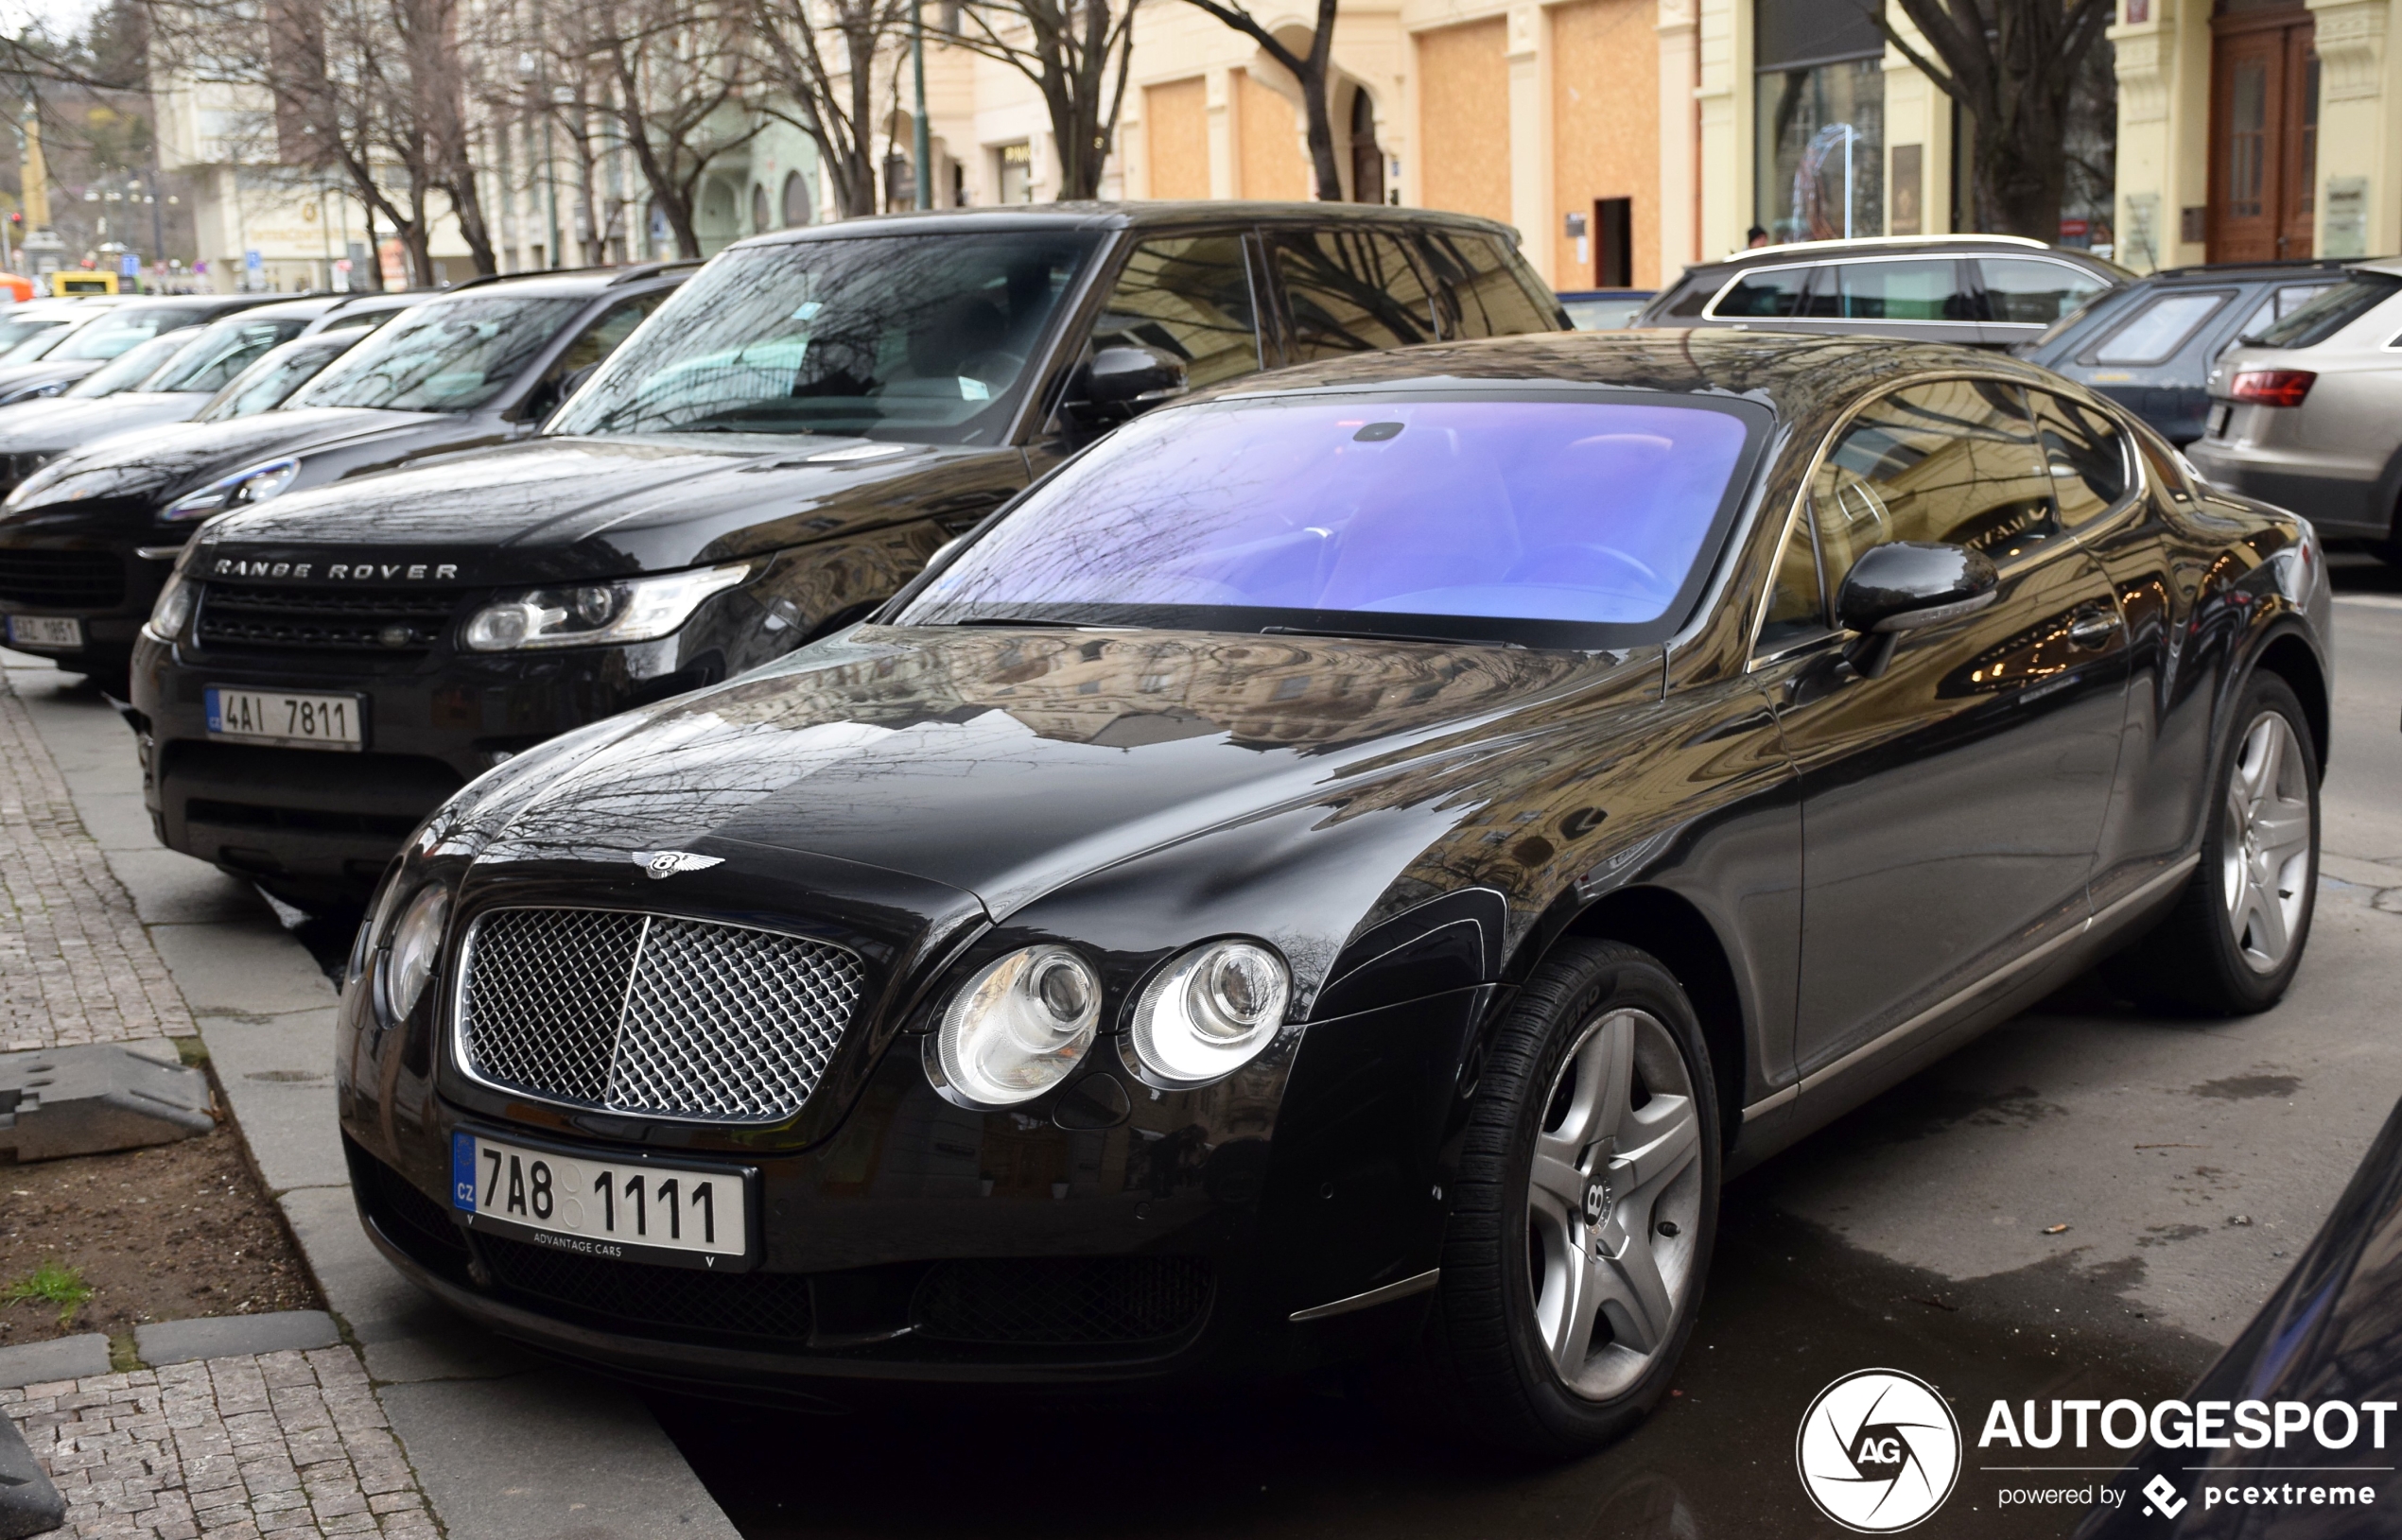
x: 127, y: 940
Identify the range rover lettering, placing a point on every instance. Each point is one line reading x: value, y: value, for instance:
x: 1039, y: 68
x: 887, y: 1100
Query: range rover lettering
x: 1343, y: 870
x: 783, y: 445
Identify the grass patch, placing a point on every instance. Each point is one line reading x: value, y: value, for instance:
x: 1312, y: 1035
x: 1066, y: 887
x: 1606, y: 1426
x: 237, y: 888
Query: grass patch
x: 50, y: 1284
x: 191, y: 1050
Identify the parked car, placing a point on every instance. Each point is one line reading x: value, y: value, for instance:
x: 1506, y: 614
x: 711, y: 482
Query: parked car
x: 1605, y: 309
x: 269, y: 382
x: 87, y: 540
x: 1345, y: 866
x: 2308, y: 414
x: 143, y: 390
x: 1980, y: 290
x: 2150, y: 344
x: 785, y: 445
x: 23, y: 323
x: 2327, y: 1335
x: 110, y: 328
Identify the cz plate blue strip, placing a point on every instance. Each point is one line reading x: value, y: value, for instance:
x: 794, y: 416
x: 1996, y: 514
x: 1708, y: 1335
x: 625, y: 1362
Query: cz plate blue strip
x: 462, y: 1171
x: 216, y: 711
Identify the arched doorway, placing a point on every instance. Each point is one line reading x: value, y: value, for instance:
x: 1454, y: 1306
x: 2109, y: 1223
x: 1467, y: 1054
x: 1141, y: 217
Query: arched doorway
x: 1367, y: 157
x: 798, y: 202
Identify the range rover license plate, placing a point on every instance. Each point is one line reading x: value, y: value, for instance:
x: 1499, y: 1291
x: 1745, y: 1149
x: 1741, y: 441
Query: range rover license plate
x: 290, y: 720
x: 594, y: 1206
x: 45, y: 631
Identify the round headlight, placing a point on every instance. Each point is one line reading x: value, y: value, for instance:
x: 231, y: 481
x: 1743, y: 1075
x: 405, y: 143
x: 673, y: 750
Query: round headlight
x: 1211, y: 1012
x: 1020, y: 1026
x: 415, y: 949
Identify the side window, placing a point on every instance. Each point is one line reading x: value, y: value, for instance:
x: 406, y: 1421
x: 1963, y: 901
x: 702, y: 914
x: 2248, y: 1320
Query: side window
x: 1798, y: 598
x: 2031, y: 291
x: 601, y: 338
x: 2157, y: 330
x: 1488, y: 286
x: 2276, y: 305
x: 1189, y: 297
x: 1350, y: 291
x: 1953, y: 461
x: 1775, y: 292
x: 2087, y: 455
x: 1920, y: 289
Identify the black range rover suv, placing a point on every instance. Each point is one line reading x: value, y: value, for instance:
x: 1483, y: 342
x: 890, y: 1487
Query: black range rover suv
x: 86, y: 541
x: 777, y: 450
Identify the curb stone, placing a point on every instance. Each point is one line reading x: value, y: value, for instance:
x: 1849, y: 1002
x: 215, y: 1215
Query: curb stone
x: 162, y: 1343
x: 61, y: 1357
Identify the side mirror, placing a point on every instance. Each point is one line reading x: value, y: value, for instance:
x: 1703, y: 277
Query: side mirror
x: 1908, y: 584
x: 1122, y: 381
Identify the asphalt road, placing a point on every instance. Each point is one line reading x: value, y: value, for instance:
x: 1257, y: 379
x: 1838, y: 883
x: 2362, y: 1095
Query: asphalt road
x: 2190, y: 1162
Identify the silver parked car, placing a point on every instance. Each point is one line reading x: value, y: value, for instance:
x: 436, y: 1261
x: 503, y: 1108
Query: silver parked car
x: 2308, y: 414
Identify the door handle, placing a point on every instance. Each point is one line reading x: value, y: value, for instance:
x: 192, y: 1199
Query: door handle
x: 2093, y: 630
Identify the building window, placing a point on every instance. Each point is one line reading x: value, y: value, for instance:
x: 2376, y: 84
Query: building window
x: 798, y: 202
x: 759, y: 209
x: 1819, y: 167
x: 1016, y: 181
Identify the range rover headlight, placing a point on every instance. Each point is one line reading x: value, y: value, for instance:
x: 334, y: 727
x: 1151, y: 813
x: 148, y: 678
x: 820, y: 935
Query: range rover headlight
x: 171, y: 610
x: 1018, y: 1027
x: 252, y: 484
x: 414, y: 950
x: 590, y: 615
x: 1209, y: 1011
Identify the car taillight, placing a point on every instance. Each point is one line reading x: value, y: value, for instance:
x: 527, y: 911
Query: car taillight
x: 2273, y: 387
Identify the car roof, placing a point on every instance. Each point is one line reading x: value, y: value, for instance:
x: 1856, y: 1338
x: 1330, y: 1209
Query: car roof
x: 1161, y: 214
x: 1865, y: 245
x: 2236, y: 272
x: 306, y: 308
x: 1794, y: 374
x: 2390, y: 267
x: 569, y: 283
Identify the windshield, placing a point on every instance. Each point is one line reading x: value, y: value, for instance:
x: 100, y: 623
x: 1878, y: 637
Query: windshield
x: 2330, y: 311
x: 452, y: 356
x: 132, y: 367
x: 1554, y: 522
x: 267, y: 382
x: 922, y: 338
x: 221, y: 352
x: 22, y: 331
x: 122, y: 329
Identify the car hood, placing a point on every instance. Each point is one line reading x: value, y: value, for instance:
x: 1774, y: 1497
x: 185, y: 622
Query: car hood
x: 59, y: 422
x: 564, y: 507
x: 1005, y: 762
x: 188, y: 455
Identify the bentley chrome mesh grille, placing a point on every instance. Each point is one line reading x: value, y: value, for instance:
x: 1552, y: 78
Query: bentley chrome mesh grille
x: 648, y: 1013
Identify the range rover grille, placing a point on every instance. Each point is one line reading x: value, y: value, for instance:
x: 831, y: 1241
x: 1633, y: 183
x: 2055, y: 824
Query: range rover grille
x: 61, y: 580
x: 649, y: 1013
x: 392, y: 621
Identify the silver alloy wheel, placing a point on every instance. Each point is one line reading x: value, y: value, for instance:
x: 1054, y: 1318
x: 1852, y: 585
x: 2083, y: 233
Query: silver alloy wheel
x: 1613, y: 1202
x: 2265, y: 842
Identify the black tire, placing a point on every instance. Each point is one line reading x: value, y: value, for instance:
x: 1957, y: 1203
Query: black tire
x: 2204, y: 958
x: 1485, y: 1367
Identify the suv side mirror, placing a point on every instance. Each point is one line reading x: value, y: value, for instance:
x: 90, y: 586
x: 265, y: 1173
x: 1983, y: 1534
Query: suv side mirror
x: 1122, y: 381
x: 1907, y: 585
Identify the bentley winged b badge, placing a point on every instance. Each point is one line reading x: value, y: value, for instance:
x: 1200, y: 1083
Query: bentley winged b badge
x: 667, y: 863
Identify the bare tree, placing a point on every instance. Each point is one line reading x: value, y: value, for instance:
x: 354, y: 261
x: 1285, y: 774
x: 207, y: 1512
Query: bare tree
x: 1313, y: 71
x: 2013, y: 66
x: 821, y: 56
x: 1075, y: 53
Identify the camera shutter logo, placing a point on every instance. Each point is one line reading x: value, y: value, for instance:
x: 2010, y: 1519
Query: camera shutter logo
x: 1878, y: 1451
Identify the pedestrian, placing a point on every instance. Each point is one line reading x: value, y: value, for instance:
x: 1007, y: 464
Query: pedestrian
x: 1756, y: 238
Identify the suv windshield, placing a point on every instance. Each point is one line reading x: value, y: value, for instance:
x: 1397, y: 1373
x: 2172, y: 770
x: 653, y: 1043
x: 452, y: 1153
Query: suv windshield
x: 924, y: 338
x: 132, y: 367
x: 220, y: 353
x: 2331, y: 311
x: 19, y: 331
x: 123, y: 329
x: 268, y: 380
x: 451, y: 356
x: 1574, y: 522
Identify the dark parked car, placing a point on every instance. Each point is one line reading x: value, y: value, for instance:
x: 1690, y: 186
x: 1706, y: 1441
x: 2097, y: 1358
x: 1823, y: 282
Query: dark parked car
x: 1345, y: 866
x: 75, y: 350
x: 173, y: 389
x: 271, y: 379
x: 782, y: 447
x: 2326, y: 1336
x: 86, y: 542
x: 1978, y: 290
x: 2150, y: 344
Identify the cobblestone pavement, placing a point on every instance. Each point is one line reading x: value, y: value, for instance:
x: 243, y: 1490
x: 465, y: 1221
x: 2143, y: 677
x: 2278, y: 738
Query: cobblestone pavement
x: 288, y: 1446
x: 74, y: 963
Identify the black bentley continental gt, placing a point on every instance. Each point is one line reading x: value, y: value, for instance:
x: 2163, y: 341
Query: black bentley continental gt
x: 1342, y: 870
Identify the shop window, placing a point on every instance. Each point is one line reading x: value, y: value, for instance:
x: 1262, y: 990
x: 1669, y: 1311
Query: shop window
x: 1017, y: 179
x: 1822, y: 150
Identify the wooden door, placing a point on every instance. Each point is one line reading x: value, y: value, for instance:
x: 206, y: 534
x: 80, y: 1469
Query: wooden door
x: 2264, y: 116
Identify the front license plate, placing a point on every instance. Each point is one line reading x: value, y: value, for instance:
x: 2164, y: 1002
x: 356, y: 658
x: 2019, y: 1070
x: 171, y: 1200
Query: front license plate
x: 2218, y: 422
x: 45, y: 631
x: 628, y: 1210
x: 292, y: 721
